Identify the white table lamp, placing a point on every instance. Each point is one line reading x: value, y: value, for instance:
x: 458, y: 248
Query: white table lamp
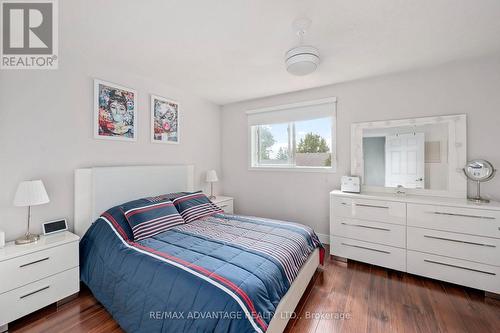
x: 212, y: 178
x: 30, y: 193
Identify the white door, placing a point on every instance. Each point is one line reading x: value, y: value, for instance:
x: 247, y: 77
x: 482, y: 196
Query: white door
x: 404, y: 160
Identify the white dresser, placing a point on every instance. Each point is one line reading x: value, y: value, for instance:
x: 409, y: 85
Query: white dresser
x: 448, y: 239
x: 35, y: 275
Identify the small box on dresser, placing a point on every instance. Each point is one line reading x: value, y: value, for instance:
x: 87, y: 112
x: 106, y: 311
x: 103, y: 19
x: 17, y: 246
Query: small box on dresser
x: 37, y: 274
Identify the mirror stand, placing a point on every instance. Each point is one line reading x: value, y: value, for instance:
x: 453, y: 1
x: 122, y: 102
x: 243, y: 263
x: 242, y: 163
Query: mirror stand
x: 477, y: 198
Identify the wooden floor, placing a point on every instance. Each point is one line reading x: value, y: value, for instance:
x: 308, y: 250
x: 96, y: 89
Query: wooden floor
x: 352, y: 297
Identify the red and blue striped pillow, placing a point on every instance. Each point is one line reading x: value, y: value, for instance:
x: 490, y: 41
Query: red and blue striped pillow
x: 148, y: 219
x: 195, y: 206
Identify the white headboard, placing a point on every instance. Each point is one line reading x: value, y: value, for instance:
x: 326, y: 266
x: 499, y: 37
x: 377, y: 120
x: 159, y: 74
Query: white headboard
x: 100, y: 188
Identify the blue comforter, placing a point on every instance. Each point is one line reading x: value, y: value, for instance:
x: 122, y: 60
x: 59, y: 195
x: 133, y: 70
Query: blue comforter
x: 223, y: 273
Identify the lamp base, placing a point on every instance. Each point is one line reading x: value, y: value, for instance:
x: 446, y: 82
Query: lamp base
x: 27, y: 239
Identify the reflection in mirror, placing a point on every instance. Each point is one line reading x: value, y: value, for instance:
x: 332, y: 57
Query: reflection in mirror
x: 409, y: 156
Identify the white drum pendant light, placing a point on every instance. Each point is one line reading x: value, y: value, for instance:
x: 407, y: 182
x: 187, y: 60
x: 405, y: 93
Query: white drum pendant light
x: 302, y: 59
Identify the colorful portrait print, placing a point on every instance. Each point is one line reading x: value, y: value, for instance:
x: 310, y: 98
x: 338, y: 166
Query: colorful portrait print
x: 114, y: 112
x: 164, y: 120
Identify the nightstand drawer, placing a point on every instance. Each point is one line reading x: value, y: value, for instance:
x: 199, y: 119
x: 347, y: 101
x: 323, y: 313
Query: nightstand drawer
x: 24, y: 300
x: 226, y: 206
x: 19, y: 271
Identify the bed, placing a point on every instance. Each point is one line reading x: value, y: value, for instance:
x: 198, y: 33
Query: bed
x: 218, y: 273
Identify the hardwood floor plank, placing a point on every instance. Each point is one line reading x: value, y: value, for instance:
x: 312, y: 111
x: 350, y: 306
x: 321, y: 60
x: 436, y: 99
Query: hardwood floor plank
x: 300, y: 305
x: 402, y: 314
x: 89, y: 324
x: 467, y: 309
x: 357, y: 299
x: 377, y: 300
x: 379, y: 319
x: 336, y: 302
x: 419, y: 305
x: 314, y: 301
x: 448, y: 318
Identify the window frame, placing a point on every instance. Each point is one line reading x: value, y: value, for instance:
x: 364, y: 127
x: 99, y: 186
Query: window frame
x: 254, y: 144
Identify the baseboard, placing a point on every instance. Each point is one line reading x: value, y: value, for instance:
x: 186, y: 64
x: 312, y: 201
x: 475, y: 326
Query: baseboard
x: 342, y: 259
x: 491, y: 295
x: 67, y: 299
x: 325, y: 239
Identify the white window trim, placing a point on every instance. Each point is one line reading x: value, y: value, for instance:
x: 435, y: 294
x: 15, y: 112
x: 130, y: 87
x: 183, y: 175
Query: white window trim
x: 252, y: 149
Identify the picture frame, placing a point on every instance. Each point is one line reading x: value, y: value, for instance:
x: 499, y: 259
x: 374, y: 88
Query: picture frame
x: 165, y: 120
x: 115, y: 112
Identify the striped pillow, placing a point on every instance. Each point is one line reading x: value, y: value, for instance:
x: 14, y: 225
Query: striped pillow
x: 148, y: 219
x: 168, y: 196
x: 195, y: 206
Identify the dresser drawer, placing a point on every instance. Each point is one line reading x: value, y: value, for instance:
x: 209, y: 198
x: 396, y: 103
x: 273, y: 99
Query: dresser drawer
x: 24, y: 300
x: 475, y: 275
x: 226, y: 206
x: 467, y: 247
x: 374, y: 210
x: 25, y: 269
x: 370, y: 231
x: 463, y: 220
x: 376, y: 254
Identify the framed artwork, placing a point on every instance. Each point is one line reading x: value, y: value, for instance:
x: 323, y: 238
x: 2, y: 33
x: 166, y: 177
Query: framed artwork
x: 115, y: 112
x: 164, y: 120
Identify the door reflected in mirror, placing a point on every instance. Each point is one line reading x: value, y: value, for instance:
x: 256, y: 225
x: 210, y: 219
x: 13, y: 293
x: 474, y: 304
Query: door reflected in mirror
x: 414, y: 157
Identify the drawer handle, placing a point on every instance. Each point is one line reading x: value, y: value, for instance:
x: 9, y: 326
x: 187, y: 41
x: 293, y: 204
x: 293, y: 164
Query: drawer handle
x: 365, y: 205
x: 366, y: 248
x: 365, y: 226
x: 459, y: 241
x: 371, y: 206
x: 34, y: 262
x: 456, y: 266
x: 34, y: 292
x: 465, y: 215
x: 222, y: 206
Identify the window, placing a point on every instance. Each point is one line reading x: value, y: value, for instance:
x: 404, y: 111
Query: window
x: 296, y: 136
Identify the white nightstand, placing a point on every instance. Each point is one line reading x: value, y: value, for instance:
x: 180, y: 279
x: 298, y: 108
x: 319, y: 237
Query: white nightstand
x: 226, y: 203
x: 35, y: 275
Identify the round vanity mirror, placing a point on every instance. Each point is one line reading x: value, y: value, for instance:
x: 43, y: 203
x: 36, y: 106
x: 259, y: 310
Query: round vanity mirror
x: 479, y: 171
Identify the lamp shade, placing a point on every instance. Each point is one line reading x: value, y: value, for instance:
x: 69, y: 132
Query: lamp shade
x: 212, y: 176
x: 31, y: 193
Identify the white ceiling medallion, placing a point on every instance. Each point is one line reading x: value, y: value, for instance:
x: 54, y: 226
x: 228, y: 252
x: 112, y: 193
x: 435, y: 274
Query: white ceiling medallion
x: 302, y: 59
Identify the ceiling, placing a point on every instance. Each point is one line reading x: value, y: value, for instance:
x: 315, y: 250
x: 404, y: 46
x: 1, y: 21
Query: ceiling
x: 232, y: 50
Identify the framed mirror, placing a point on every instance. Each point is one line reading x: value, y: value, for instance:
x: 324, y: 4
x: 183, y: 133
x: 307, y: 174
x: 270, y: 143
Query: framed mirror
x: 423, y: 155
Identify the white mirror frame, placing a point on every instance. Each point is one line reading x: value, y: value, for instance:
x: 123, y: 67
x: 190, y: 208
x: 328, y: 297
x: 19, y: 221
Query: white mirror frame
x: 457, y: 152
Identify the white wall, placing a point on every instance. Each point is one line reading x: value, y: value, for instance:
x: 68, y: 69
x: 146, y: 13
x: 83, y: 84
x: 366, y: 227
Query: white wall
x: 46, y: 132
x: 471, y: 87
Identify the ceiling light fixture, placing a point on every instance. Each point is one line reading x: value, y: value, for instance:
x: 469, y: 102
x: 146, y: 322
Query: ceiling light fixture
x: 302, y: 59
